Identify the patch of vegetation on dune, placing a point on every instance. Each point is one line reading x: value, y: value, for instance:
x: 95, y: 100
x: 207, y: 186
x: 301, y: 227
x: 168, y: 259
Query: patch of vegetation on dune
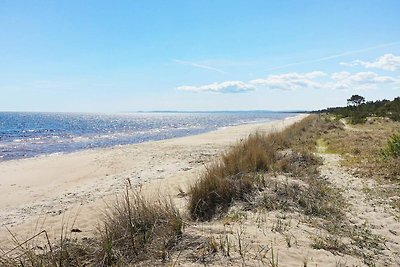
x: 135, y: 229
x: 369, y: 149
x: 247, y: 170
x: 280, y: 172
x: 371, y: 146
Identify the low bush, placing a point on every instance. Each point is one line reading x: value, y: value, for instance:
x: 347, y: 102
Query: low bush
x: 392, y: 148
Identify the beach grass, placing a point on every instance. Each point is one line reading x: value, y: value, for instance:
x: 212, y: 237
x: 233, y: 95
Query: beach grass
x: 243, y: 169
x: 136, y: 228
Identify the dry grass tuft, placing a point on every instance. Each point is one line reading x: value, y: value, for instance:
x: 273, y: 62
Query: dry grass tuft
x: 311, y: 196
x: 67, y: 252
x: 134, y: 229
x: 231, y: 178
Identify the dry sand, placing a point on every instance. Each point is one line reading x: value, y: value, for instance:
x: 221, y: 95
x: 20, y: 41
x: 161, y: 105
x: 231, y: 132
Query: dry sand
x: 73, y: 189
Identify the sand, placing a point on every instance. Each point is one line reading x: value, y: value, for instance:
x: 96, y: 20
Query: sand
x: 72, y: 190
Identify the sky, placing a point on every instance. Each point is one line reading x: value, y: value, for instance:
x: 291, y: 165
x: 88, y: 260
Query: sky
x: 118, y: 56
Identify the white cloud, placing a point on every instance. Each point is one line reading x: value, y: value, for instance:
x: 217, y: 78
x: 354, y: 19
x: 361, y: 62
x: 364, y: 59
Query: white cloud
x: 297, y: 81
x: 358, y: 81
x: 224, y: 87
x: 385, y: 62
x: 290, y: 81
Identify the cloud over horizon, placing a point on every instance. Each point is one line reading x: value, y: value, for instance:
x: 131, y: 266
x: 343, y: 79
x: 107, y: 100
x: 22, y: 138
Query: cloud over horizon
x: 386, y: 62
x: 298, y: 81
x: 224, y: 87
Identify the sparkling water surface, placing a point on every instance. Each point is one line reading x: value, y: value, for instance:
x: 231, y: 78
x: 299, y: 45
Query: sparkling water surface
x: 25, y: 134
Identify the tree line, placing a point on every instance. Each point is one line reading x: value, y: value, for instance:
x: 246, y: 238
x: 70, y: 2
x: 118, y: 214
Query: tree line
x: 357, y: 109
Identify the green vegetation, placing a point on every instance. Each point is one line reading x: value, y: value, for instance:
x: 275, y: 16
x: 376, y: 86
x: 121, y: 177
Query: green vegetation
x: 369, y: 150
x: 358, y: 110
x: 392, y: 148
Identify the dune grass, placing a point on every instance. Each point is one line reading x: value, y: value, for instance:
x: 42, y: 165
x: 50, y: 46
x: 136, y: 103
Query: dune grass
x: 133, y: 230
x: 241, y: 169
x: 230, y: 178
x: 138, y: 229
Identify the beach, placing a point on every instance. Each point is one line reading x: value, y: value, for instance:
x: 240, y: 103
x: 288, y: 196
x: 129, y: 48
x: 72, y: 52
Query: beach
x: 72, y: 190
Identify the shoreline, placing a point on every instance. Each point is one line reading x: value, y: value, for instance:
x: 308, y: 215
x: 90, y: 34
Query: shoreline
x: 44, y: 155
x: 46, y: 190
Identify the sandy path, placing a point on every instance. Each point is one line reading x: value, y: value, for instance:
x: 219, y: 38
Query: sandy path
x: 46, y: 192
x: 364, y: 210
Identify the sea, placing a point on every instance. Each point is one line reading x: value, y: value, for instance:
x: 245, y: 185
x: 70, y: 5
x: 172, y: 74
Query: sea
x: 29, y: 134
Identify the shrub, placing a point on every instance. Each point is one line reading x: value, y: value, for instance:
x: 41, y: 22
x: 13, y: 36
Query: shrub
x: 392, y: 148
x: 358, y: 118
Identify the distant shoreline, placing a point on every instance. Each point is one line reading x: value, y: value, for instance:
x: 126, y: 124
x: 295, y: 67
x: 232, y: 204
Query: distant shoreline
x: 114, y: 139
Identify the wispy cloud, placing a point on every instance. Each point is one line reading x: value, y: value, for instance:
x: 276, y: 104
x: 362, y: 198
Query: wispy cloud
x: 228, y: 87
x: 201, y: 66
x: 385, y: 62
x: 339, y: 55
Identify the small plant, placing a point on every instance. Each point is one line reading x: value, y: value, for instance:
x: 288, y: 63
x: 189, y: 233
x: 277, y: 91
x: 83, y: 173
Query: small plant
x: 289, y: 238
x: 392, y: 148
x: 274, y: 262
x: 330, y: 243
x: 225, y: 244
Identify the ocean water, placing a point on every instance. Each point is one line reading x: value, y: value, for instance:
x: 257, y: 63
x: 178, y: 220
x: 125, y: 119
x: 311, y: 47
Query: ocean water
x: 24, y: 135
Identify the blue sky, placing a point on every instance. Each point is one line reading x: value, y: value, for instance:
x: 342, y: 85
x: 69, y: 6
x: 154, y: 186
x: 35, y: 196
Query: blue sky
x: 111, y: 56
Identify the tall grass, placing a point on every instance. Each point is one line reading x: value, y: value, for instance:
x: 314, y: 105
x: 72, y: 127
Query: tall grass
x: 137, y: 228
x: 234, y: 176
x: 134, y: 229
